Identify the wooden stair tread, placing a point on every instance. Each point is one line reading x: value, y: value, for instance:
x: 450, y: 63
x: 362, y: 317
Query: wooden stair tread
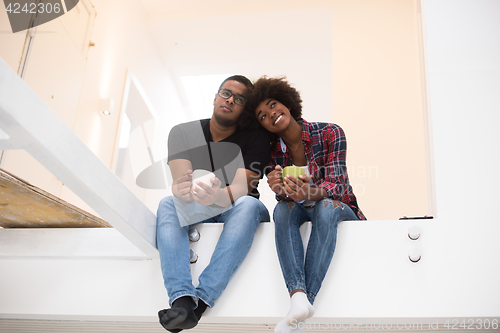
x: 23, y: 205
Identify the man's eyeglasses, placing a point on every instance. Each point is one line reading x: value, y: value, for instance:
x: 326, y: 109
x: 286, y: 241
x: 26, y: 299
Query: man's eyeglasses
x: 238, y: 99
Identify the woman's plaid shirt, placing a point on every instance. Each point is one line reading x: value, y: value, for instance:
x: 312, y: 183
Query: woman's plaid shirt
x: 325, y: 148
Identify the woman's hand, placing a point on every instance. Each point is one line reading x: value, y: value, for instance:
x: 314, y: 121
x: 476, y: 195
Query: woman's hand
x: 301, y: 189
x: 298, y: 189
x: 275, y: 181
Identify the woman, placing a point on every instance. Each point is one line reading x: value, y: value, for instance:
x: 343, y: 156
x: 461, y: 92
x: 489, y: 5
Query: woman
x: 322, y: 195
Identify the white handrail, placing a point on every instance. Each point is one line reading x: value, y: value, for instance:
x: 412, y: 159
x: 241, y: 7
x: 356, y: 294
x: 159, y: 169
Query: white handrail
x: 31, y: 125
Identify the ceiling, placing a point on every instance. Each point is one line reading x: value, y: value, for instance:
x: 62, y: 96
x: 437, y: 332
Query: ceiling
x: 162, y: 10
x: 290, y: 38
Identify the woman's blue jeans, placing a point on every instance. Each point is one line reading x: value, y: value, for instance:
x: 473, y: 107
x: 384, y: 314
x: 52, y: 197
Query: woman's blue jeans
x: 308, y: 274
x: 173, y: 221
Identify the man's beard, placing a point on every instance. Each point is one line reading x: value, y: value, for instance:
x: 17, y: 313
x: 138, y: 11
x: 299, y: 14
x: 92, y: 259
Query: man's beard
x: 224, y: 121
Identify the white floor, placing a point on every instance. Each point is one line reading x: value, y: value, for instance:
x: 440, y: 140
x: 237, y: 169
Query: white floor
x: 37, y: 326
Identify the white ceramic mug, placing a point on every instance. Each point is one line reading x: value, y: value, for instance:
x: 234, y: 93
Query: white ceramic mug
x: 203, y: 176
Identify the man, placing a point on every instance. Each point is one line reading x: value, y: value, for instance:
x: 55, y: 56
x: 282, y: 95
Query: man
x: 237, y: 158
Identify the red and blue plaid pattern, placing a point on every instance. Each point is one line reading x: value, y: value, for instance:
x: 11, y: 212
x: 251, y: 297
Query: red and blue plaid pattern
x: 325, y: 148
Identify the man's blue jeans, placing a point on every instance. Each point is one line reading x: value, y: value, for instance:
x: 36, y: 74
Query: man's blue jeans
x: 240, y: 224
x: 325, y: 217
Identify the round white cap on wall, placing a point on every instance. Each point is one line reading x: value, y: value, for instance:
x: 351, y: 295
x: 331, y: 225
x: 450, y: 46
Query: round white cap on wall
x: 414, y: 255
x: 414, y: 232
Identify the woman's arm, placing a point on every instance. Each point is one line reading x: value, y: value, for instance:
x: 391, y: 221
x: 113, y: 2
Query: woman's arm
x: 336, y: 182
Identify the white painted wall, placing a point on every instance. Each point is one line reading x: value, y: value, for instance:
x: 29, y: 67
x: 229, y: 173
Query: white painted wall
x: 370, y: 274
x: 12, y: 44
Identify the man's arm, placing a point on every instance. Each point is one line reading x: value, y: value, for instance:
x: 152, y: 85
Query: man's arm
x: 243, y: 183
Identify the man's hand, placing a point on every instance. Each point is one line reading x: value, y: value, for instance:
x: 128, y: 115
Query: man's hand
x: 297, y: 189
x: 182, y: 187
x: 275, y: 181
x: 207, y: 195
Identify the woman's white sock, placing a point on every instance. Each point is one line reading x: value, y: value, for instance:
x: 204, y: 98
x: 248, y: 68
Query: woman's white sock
x: 282, y: 327
x: 300, y: 309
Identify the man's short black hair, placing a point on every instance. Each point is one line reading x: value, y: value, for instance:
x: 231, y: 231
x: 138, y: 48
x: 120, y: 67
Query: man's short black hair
x: 240, y: 79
